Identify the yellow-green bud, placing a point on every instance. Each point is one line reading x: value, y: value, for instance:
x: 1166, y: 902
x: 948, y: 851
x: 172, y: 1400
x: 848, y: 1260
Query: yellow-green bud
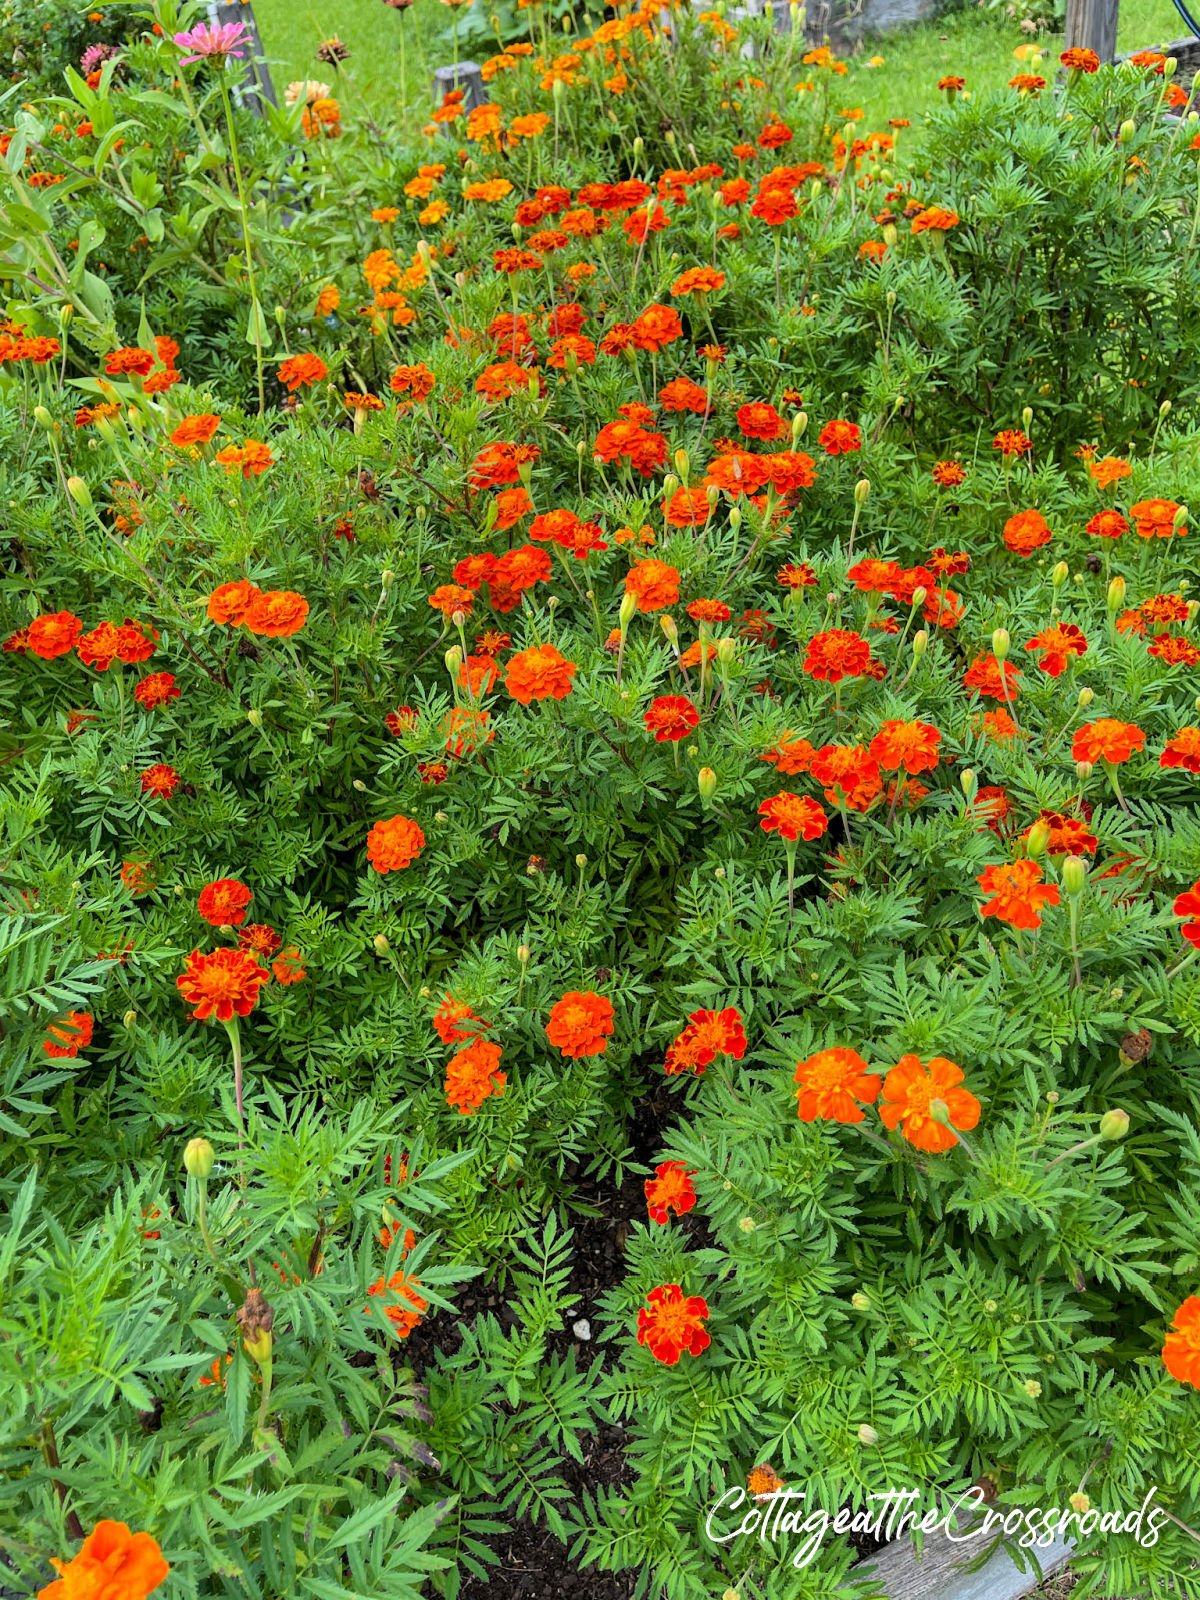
x: 1116, y: 593
x: 129, y: 1018
x: 1084, y: 770
x: 867, y: 1434
x: 920, y: 643
x: 1126, y: 131
x: 861, y: 490
x: 890, y: 235
x: 523, y: 953
x: 1037, y: 839
x: 860, y: 1301
x: 198, y: 1158
x: 670, y: 484
x: 254, y: 717
x: 1080, y: 1502
x: 359, y: 785
x: 1027, y: 418
x: 80, y: 493
x: 1086, y: 696
x: 735, y: 517
x: 43, y: 419
x: 1074, y: 876
x: 381, y: 943
x: 1114, y: 1125
x: 1060, y: 574
x: 627, y: 612
x: 799, y: 423
x: 1000, y: 643
x: 1180, y: 517
x: 386, y: 579
x: 726, y: 650
x: 682, y: 465
x: 667, y: 624
x: 453, y: 659
x: 919, y: 598
x: 706, y: 782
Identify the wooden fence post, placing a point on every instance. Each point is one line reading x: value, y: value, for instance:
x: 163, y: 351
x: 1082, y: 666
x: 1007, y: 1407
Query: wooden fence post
x: 1092, y: 25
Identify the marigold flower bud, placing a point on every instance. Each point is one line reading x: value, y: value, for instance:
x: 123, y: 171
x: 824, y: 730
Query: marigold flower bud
x: 860, y: 1301
x: 920, y: 643
x: 939, y: 1112
x: 453, y: 659
x: 1074, y: 876
x: 1126, y: 131
x: 360, y: 786
x: 639, y: 147
x: 198, y: 1158
x: 969, y: 780
x: 627, y: 612
x: 747, y: 1225
x: 254, y: 717
x: 706, y: 782
x: 129, y: 1018
x: 799, y: 423
x: 712, y: 494
x: 581, y: 860
x: 1037, y: 839
x: 80, y: 493
x: 1116, y: 593
x: 667, y: 624
x: 1079, y: 1502
x: 1032, y: 1388
x: 1060, y: 574
x: 43, y: 419
x: 386, y: 579
x: 441, y: 817
x: 670, y: 484
x: 66, y: 316
x: 1170, y: 67
x: 861, y: 490
x: 920, y: 595
x: 1180, y: 517
x: 1084, y: 770
x: 523, y: 953
x: 1027, y: 418
x: 890, y: 235
x: 1114, y: 1125
x: 1000, y: 643
x: 735, y: 518
x: 867, y: 1434
x: 1086, y: 696
x: 382, y: 944
x: 726, y: 650
x: 425, y: 253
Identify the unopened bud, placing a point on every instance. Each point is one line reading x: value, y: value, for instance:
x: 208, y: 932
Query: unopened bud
x: 1084, y: 770
x: 667, y: 624
x: 1037, y: 839
x: 1027, y: 418
x: 1079, y: 1502
x: 1086, y: 696
x: 1165, y: 408
x: 867, y: 1434
x: 890, y: 235
x: 80, y: 493
x: 129, y: 1018
x: 1114, y: 1125
x: 920, y: 643
x: 523, y: 953
x: 735, y: 517
x: 198, y: 1158
x: 969, y: 781
x: 799, y: 423
x: 381, y: 943
x: 726, y: 650
x: 254, y: 717
x: 706, y: 782
x: 1074, y: 876
x: 682, y: 465
x: 919, y: 597
x: 859, y: 1301
x: 670, y: 484
x: 1060, y: 574
x: 386, y: 579
x: 359, y: 785
x: 453, y: 659
x: 1000, y: 643
x: 628, y: 611
x: 1180, y: 517
x: 1126, y: 131
x: 861, y: 490
x: 1116, y: 593
x: 43, y: 419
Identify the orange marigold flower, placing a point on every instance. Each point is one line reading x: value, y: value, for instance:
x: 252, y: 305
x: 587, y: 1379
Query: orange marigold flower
x: 792, y: 816
x: 837, y: 654
x: 69, y: 1036
x: 160, y: 780
x: 687, y: 508
x: 1182, y: 750
x: 580, y: 1023
x: 416, y: 381
x: 1181, y: 1347
x: 196, y: 430
x: 1079, y: 59
x: 1173, y: 650
x: 1155, y: 519
x: 1109, y: 470
x: 1058, y: 644
x: 698, y: 280
x: 832, y: 1084
x: 1025, y: 532
x: 289, y: 967
x: 1069, y: 836
x: 406, y: 1312
x: 54, y: 634
x: 131, y: 359
x: 1107, y: 525
x: 101, y: 647
x: 796, y: 575
x: 110, y: 1564
x: 259, y: 937
x: 839, y: 438
x: 155, y: 690
x: 472, y: 1075
x: 252, y: 459
x: 276, y: 613
x: 449, y: 598
x: 1018, y: 891
x: 657, y: 327
x: 653, y: 584
x: 848, y: 773
x: 708, y: 1034
x: 1187, y: 906
x: 671, y: 1323
x: 451, y: 1018
x: 790, y: 755
x: 671, y: 717
x: 1027, y: 83
x: 949, y: 474
x: 760, y: 421
x: 935, y: 219
x: 229, y: 602
x: 221, y: 984
x: 911, y: 745
x: 539, y: 673
x: 223, y: 902
x: 301, y: 372
x: 1107, y: 739
x: 670, y: 1189
x: 990, y: 677
x: 394, y: 843
x: 774, y: 206
x: 927, y: 1104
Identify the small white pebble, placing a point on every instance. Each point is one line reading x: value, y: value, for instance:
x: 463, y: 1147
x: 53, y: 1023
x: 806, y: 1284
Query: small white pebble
x: 582, y: 1329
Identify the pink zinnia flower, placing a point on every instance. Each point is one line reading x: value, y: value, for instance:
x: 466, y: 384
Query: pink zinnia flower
x: 212, y: 44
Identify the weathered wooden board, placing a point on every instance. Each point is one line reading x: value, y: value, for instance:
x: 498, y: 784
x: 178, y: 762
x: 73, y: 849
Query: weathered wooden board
x: 937, y: 1573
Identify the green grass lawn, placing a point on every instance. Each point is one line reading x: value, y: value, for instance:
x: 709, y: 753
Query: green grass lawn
x: 977, y: 44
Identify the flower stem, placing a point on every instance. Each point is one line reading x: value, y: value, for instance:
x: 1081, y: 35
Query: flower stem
x: 255, y: 310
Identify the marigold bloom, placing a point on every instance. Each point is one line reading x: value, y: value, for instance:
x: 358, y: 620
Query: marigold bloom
x: 760, y: 421
x: 1107, y: 525
x: 223, y: 902
x: 1181, y: 1347
x: 698, y: 280
x: 1069, y: 836
x: 221, y: 984
x: 653, y: 584
x: 687, y: 508
x: 832, y: 1084
x: 405, y: 1312
x: 657, y: 327
x: 1079, y: 59
x: 259, y: 937
x: 911, y: 745
x: 839, y: 438
x: 276, y: 613
x: 156, y: 689
x: 580, y: 1024
x: 301, y: 372
x: 912, y: 1089
x: 1012, y: 442
x: 790, y: 755
x: 415, y: 381
x: 708, y: 1034
x: 681, y: 394
x: 1182, y: 750
x: 875, y: 577
x: 670, y: 1189
x: 775, y: 206
x: 671, y: 717
x: 1187, y: 905
x: 229, y: 602
x: 539, y: 673
x: 160, y: 780
x: 1155, y: 519
x: 1173, y: 650
x: 449, y: 598
x: 837, y: 654
x: 935, y: 219
x: 1058, y: 644
x: 1018, y: 891
x: 131, y: 360
x: 53, y: 634
x: 69, y: 1036
x: 792, y: 816
x: 848, y: 773
x: 990, y: 677
x: 671, y: 1323
x: 1025, y: 532
x: 1107, y: 739
x: 394, y: 843
x: 455, y: 1021
x: 472, y: 1076
x: 196, y: 430
x: 110, y: 1564
x: 101, y: 647
x: 251, y: 459
x: 949, y: 474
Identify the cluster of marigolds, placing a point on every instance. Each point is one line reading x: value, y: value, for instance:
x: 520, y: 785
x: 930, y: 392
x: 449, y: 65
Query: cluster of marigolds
x: 753, y: 469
